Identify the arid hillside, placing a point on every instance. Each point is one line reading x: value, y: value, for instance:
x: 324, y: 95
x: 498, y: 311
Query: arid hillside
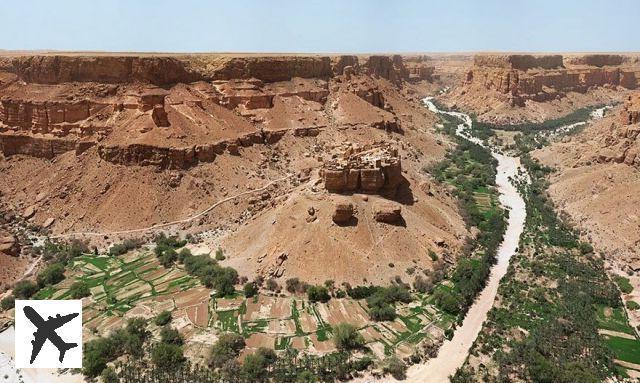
x: 232, y: 149
x: 597, y: 183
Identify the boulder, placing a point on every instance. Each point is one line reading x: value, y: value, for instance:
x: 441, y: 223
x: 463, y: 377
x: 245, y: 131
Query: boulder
x: 9, y: 245
x: 387, y: 212
x: 343, y: 212
x: 29, y: 212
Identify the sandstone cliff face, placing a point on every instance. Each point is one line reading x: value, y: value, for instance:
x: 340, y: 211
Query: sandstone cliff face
x: 543, y: 78
x: 518, y: 62
x: 105, y: 69
x: 598, y: 60
x: 389, y: 67
x: 272, y: 69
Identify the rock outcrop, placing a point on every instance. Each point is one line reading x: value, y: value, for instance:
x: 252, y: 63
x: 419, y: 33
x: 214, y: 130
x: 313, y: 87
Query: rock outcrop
x: 373, y: 169
x: 518, y: 62
x: 8, y: 244
x: 387, y: 212
x: 343, y: 212
x: 273, y: 69
x: 544, y: 78
x: 598, y: 60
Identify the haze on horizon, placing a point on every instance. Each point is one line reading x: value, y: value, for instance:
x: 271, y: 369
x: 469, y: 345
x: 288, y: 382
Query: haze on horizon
x: 357, y: 26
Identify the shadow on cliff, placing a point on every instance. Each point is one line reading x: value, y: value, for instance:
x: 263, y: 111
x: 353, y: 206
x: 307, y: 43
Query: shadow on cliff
x: 404, y: 194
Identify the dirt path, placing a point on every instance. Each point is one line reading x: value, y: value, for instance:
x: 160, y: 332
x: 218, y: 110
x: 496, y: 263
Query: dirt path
x: 163, y: 225
x: 616, y: 334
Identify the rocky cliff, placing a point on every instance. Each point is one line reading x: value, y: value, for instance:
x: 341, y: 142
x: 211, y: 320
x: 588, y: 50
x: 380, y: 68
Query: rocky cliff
x: 177, y: 111
x: 515, y: 88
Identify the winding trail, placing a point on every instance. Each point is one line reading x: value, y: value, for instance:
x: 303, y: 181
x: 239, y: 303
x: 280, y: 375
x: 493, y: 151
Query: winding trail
x: 173, y: 223
x: 453, y: 353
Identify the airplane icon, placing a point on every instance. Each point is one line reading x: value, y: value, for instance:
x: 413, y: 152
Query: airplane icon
x: 47, y: 330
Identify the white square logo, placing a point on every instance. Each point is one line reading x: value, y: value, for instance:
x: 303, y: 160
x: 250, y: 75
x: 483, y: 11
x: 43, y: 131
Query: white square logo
x: 48, y: 334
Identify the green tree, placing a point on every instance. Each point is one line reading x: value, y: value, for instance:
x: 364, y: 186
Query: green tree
x: 346, y: 337
x: 167, y: 356
x: 318, y: 294
x: 24, y: 289
x: 8, y: 303
x: 79, y: 290
x: 250, y: 289
x: 163, y: 318
x: 51, y: 275
x: 171, y: 335
x: 255, y: 365
x: 227, y: 348
x: 109, y: 375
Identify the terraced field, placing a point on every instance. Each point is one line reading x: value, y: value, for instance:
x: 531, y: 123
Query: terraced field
x: 282, y: 322
x: 137, y: 285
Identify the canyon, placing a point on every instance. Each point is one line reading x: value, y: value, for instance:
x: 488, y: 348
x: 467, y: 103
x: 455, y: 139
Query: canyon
x: 317, y: 169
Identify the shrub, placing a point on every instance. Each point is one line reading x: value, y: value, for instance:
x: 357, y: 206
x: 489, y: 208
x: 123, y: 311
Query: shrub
x: 24, y: 289
x: 422, y: 284
x: 109, y: 375
x: 255, y: 365
x: 225, y: 349
x: 220, y: 255
x: 447, y: 301
x: 318, y: 294
x: 163, y: 318
x: 167, y: 356
x: 272, y: 285
x: 51, y: 275
x: 633, y: 305
x: 124, y: 247
x: 306, y: 376
x: 184, y: 254
x: 171, y: 335
x: 79, y: 290
x: 346, y: 337
x: 8, y: 303
x: 624, y: 284
x: 382, y: 313
x: 293, y: 285
x: 250, y: 289
x: 396, y: 367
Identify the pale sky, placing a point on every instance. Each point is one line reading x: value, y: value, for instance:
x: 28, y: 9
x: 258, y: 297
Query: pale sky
x: 356, y: 26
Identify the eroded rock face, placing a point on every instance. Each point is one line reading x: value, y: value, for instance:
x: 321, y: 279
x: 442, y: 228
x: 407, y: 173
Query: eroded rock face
x: 518, y: 62
x: 544, y: 78
x: 343, y: 212
x: 598, y: 60
x: 389, y: 67
x: 387, y: 212
x: 630, y: 113
x: 276, y: 68
x: 106, y: 69
x: 8, y: 244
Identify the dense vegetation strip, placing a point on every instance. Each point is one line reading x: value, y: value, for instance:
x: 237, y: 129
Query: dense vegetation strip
x: 579, y: 115
x: 471, y: 170
x: 545, y: 326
